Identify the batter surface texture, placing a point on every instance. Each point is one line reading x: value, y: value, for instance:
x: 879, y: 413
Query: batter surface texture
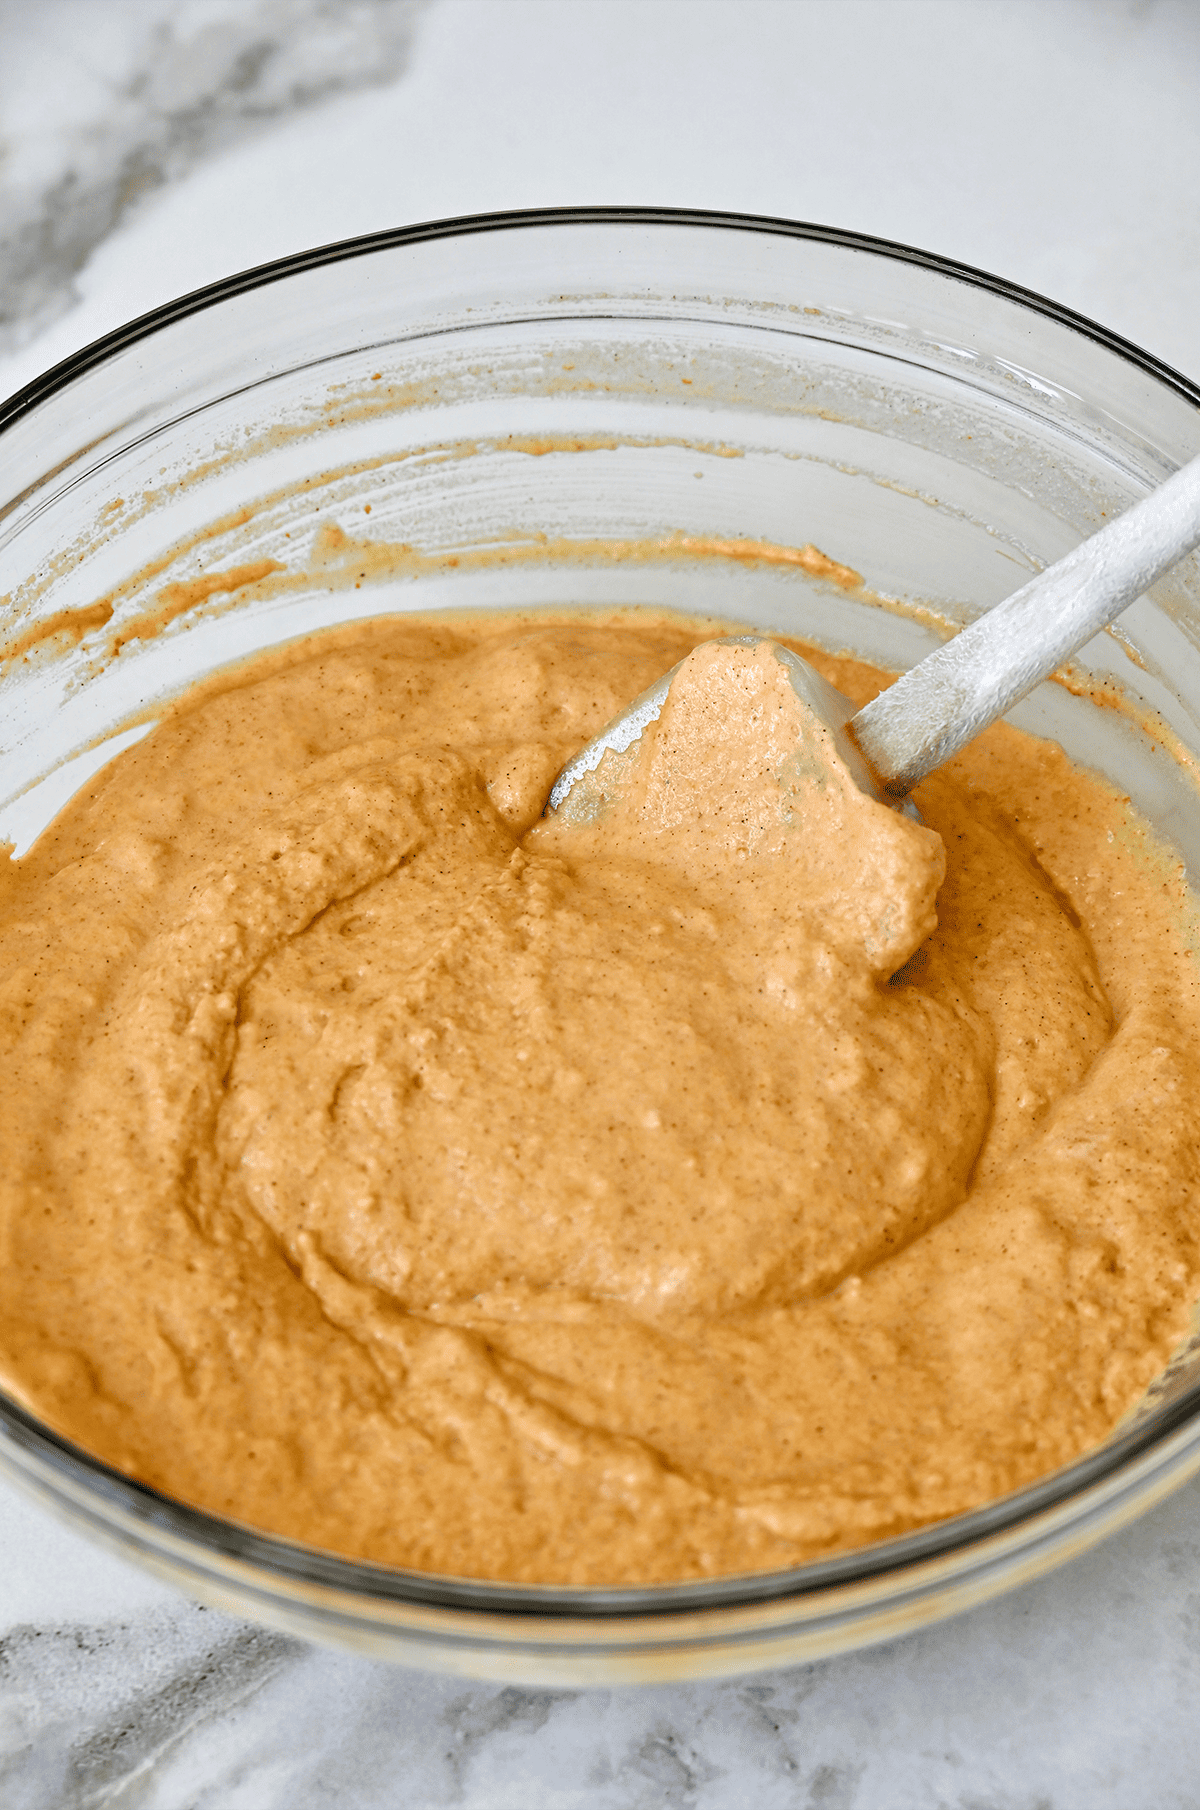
x: 724, y: 1172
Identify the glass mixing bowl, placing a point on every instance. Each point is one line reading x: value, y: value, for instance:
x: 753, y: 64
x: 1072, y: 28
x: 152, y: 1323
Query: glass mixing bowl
x: 581, y: 407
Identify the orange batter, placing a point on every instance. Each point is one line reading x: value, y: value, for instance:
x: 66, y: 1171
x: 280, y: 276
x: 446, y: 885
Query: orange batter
x: 696, y: 1182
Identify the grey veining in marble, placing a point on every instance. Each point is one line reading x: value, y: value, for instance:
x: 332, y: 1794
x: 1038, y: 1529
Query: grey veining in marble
x: 147, y: 146
x: 1078, y: 1692
x: 87, y: 1710
x: 133, y: 96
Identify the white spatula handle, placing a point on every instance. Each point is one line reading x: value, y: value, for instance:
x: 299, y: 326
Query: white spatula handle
x: 941, y: 704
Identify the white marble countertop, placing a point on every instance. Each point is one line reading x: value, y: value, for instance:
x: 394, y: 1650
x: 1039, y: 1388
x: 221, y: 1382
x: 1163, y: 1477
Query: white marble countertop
x: 149, y: 146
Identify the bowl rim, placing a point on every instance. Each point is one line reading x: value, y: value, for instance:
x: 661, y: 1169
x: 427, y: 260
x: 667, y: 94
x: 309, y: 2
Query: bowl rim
x: 292, y: 1562
x: 258, y: 276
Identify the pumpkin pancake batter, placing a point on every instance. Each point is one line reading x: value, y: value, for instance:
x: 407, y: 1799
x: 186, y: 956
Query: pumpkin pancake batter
x: 724, y: 1172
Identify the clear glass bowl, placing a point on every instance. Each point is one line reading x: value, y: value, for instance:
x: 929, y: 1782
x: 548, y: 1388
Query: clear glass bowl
x: 525, y: 401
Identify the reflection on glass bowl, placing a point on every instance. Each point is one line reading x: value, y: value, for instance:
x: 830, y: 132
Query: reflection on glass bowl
x: 601, y: 407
